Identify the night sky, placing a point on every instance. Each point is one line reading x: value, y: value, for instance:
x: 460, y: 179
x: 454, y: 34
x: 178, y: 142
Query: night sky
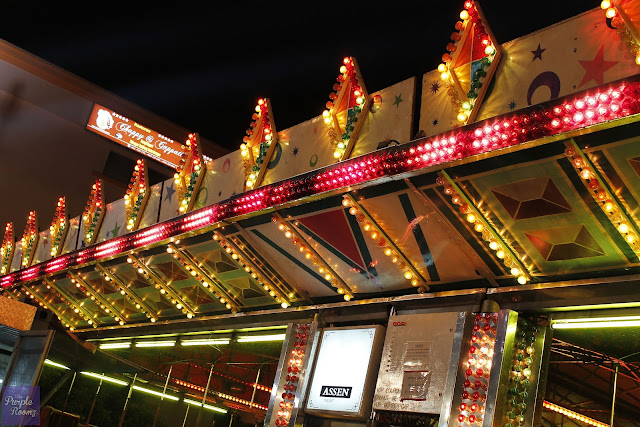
x: 204, y: 66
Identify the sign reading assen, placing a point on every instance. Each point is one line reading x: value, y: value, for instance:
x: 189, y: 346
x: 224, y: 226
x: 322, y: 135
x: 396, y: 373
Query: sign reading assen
x: 133, y: 135
x: 329, y: 391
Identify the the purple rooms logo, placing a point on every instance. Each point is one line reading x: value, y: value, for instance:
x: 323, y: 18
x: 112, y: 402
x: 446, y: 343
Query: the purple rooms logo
x: 20, y: 406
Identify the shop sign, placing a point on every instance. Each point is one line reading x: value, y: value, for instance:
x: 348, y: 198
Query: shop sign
x: 20, y: 406
x: 135, y: 136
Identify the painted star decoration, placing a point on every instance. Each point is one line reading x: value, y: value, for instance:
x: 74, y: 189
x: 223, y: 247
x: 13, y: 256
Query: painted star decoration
x: 116, y: 230
x: 295, y: 151
x: 170, y: 191
x: 398, y: 100
x: 512, y: 105
x: 537, y: 54
x: 435, y: 87
x: 594, y: 69
x: 435, y: 122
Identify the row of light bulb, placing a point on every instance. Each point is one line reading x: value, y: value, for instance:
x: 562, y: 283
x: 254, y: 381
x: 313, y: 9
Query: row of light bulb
x: 7, y: 248
x: 604, y: 200
x: 137, y: 182
x: 617, y: 22
x: 377, y: 235
x: 478, y: 223
x: 161, y: 287
x: 202, y: 280
x: 129, y: 296
x: 93, y: 296
x: 57, y: 227
x: 273, y: 292
x: 323, y: 268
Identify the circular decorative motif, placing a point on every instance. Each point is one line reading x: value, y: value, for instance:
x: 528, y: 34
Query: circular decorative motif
x: 273, y: 163
x: 199, y: 202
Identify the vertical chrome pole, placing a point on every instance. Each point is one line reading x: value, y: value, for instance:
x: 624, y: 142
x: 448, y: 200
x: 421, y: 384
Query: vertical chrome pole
x: 164, y: 390
x: 93, y: 404
x: 255, y: 385
x: 186, y: 414
x: 126, y: 402
x: 66, y: 399
x: 204, y: 398
x: 613, y: 401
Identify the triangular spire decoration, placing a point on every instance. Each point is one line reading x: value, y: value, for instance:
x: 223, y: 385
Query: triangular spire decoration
x: 93, y: 213
x: 259, y: 144
x: 472, y: 59
x: 29, y: 239
x: 7, y: 248
x: 137, y: 195
x: 189, y: 174
x: 344, y: 114
x: 59, y: 227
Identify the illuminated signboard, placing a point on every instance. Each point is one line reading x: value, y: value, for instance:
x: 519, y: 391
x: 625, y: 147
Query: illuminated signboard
x: 135, y: 136
x: 345, y: 372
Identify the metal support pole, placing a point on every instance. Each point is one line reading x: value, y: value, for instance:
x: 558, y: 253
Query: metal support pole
x: 126, y: 402
x: 613, y: 401
x: 184, y: 422
x: 93, y: 404
x: 204, y: 398
x: 255, y: 385
x: 231, y: 420
x: 164, y: 390
x: 66, y: 399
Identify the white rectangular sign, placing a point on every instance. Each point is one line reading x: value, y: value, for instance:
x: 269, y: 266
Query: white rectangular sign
x: 340, y: 376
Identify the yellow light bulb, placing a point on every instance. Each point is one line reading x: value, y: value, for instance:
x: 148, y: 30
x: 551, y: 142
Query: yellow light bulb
x: 462, y: 117
x: 608, y: 206
x: 408, y: 275
x: 611, y: 12
x: 479, y: 227
x: 623, y: 228
x: 464, y: 15
x: 500, y: 254
x: 442, y: 68
x: 522, y: 280
x: 493, y: 245
x: 444, y: 76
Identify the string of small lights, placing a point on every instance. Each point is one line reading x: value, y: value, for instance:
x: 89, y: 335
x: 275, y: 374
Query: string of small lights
x: 29, y: 239
x: 59, y: 227
x: 137, y: 195
x: 93, y: 213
